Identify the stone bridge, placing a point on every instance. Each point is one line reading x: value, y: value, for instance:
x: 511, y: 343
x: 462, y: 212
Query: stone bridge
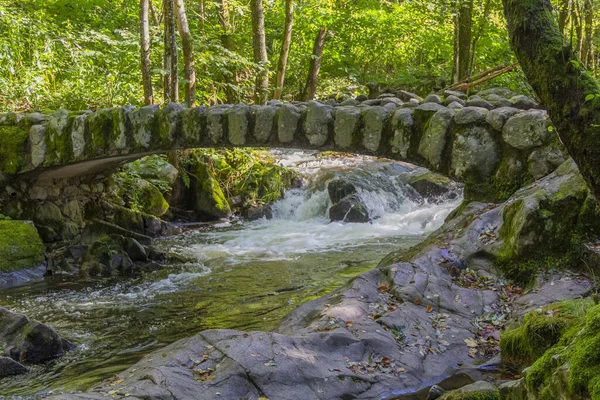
x: 491, y: 145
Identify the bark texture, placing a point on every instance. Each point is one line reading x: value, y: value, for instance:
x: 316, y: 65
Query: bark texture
x: 462, y: 40
x: 285, y: 49
x: 228, y: 43
x: 188, y: 54
x: 555, y: 74
x: 310, y: 90
x: 171, y: 83
x: 259, y: 45
x: 145, y: 52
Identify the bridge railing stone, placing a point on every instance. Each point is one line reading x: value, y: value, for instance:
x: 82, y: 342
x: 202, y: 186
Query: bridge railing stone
x: 492, y: 147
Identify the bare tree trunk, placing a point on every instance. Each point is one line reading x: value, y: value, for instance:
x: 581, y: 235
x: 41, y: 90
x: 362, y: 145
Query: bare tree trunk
x: 188, y: 54
x: 564, y: 12
x: 227, y: 41
x: 310, y: 90
x: 477, y: 35
x: 285, y: 49
x: 145, y: 53
x: 570, y: 95
x: 259, y: 45
x: 462, y: 40
x: 587, y: 51
x: 202, y: 15
x: 171, y: 85
x: 154, y: 13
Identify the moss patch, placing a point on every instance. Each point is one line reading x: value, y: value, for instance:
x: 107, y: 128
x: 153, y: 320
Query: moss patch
x: 20, y: 246
x: 13, y: 148
x: 563, y: 342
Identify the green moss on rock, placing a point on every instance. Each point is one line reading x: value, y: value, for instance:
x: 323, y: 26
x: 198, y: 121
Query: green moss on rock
x: 152, y: 201
x: 209, y: 196
x: 13, y: 148
x: 20, y: 246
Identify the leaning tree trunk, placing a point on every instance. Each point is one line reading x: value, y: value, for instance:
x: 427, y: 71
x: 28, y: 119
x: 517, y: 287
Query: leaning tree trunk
x: 285, y: 49
x: 171, y: 84
x: 261, y: 90
x: 228, y: 44
x: 310, y: 90
x: 462, y: 40
x: 145, y: 52
x: 552, y: 69
x: 188, y: 54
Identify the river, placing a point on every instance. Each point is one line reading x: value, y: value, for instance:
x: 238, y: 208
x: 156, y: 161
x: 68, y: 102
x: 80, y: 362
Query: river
x: 245, y: 275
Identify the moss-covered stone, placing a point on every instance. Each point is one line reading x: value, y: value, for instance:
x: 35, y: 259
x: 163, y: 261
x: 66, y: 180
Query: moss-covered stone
x: 151, y: 199
x: 13, y: 148
x: 20, y: 246
x: 563, y: 342
x: 210, y: 199
x: 476, y: 391
x: 540, y: 330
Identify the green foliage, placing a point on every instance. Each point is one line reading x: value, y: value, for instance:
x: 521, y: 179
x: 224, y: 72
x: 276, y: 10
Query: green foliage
x: 80, y: 54
x: 250, y: 174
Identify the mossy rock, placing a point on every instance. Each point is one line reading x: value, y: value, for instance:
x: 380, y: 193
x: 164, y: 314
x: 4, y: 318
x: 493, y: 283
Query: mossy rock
x: 570, y: 367
x: 20, y: 246
x: 476, y: 391
x: 540, y: 330
x: 210, y: 199
x: 13, y: 147
x: 151, y: 200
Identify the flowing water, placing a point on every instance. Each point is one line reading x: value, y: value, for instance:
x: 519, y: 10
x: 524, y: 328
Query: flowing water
x: 245, y: 276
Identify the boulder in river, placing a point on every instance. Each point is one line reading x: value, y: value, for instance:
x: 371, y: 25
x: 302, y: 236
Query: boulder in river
x: 434, y: 187
x: 10, y: 367
x: 28, y: 341
x: 349, y: 209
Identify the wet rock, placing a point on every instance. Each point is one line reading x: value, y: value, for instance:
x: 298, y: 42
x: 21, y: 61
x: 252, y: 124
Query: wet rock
x: 258, y: 211
x: 29, y: 341
x: 434, y: 187
x: 349, y: 209
x: 340, y: 188
x: 10, y: 367
x: 20, y: 246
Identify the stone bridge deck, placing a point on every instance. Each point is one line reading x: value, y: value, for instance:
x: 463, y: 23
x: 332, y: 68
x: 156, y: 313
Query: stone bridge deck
x: 494, y: 151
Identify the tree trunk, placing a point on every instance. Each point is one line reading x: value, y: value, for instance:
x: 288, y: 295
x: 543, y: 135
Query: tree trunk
x: 556, y: 76
x: 310, y: 90
x: 202, y: 15
x: 564, y: 10
x: 259, y: 45
x: 587, y: 51
x: 171, y: 84
x: 228, y: 43
x: 477, y: 35
x: 145, y: 52
x: 285, y: 49
x: 154, y: 13
x: 462, y: 40
x: 188, y: 54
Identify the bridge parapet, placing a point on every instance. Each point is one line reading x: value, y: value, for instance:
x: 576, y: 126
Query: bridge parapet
x: 494, y: 152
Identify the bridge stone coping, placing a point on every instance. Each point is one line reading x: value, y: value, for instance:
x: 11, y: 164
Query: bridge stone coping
x: 493, y: 152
